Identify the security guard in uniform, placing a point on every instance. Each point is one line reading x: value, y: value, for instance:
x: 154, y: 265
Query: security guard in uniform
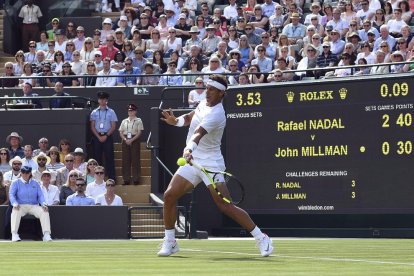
x: 130, y: 131
x: 103, y: 124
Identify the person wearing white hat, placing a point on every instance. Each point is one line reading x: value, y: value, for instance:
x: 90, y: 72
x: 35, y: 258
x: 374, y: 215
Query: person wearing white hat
x: 15, y: 148
x: 16, y: 164
x: 171, y: 16
x: 193, y: 40
x: 50, y: 191
x: 106, y: 30
x: 79, y: 163
x: 123, y: 25
x: 80, y: 38
x: 42, y: 161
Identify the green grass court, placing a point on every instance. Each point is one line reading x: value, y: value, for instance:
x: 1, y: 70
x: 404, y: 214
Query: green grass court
x: 210, y: 257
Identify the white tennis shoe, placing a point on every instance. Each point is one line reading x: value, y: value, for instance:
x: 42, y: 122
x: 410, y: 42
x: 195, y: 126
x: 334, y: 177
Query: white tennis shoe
x: 46, y: 237
x: 15, y: 238
x: 168, y: 248
x: 265, y: 245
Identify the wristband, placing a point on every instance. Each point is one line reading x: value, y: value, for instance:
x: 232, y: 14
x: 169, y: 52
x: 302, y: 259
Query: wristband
x: 191, y: 146
x: 180, y: 121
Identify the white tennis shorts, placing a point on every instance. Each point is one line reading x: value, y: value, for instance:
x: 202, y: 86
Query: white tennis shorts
x: 195, y: 176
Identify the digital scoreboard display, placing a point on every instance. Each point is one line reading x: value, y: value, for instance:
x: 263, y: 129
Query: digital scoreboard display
x: 332, y: 147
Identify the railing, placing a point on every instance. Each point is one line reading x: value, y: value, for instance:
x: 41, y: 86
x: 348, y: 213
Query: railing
x: 137, y: 76
x: 27, y: 102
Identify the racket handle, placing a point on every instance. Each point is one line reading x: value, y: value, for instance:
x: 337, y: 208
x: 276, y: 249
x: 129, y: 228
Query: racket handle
x: 194, y: 164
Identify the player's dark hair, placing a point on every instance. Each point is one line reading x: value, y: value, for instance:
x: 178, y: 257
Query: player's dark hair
x: 219, y: 78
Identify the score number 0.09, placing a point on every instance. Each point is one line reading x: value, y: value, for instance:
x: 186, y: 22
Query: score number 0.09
x: 250, y: 98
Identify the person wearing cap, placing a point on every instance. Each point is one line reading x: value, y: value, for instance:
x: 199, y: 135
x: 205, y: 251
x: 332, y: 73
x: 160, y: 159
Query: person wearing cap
x: 325, y: 59
x: 42, y: 160
x: 79, y: 160
x: 295, y: 30
x: 99, y: 64
x: 337, y: 44
x: 193, y: 40
x: 15, y: 164
x: 43, y: 146
x: 25, y: 197
x: 153, y: 21
x: 171, y: 15
x: 60, y: 41
x: 106, y: 30
x: 182, y: 29
x: 109, y: 198
x: 79, y: 198
x: 15, y: 141
x: 366, y: 28
x: 103, y: 124
x: 55, y: 26
x: 54, y: 163
x: 130, y: 132
x: 30, y: 14
x: 50, y: 191
x: 210, y: 43
x: 397, y: 56
x: 124, y: 27
x: 80, y: 38
x: 207, y: 123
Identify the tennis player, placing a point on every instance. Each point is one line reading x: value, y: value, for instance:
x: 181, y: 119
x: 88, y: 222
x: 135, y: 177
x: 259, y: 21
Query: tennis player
x: 207, y: 123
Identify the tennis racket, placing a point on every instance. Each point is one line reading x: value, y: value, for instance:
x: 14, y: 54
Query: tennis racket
x: 234, y: 186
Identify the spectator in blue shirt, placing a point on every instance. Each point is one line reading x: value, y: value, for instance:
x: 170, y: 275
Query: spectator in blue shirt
x: 25, y: 197
x: 129, y: 70
x: 80, y: 198
x: 171, y: 80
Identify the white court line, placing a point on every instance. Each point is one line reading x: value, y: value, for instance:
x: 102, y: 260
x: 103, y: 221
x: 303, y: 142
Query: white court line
x: 303, y: 257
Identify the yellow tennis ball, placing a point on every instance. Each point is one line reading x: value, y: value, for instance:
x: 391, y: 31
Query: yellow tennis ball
x: 181, y: 161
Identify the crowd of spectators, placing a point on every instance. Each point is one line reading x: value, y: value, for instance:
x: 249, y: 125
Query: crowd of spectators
x: 64, y: 176
x: 176, y: 38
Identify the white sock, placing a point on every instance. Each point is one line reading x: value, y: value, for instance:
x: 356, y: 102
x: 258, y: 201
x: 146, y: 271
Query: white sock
x: 170, y: 234
x: 256, y: 233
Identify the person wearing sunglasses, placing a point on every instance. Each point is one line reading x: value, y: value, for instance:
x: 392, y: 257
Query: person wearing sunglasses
x: 128, y: 70
x: 97, y: 187
x: 69, y: 188
x: 54, y: 23
x: 54, y: 163
x: 325, y: 59
x: 79, y: 198
x: 90, y: 170
x: 63, y: 173
x: 42, y: 160
x: 43, y: 146
x: 109, y: 198
x: 173, y: 78
x: 4, y: 161
x: 26, y: 197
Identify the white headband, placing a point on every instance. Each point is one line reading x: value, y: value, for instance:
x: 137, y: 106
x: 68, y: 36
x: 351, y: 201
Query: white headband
x: 216, y: 84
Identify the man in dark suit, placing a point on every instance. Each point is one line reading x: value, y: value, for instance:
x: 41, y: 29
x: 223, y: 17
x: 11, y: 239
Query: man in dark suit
x: 60, y: 101
x: 28, y: 92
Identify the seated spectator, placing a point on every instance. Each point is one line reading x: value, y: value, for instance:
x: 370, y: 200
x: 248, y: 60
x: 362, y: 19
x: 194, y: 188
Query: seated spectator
x: 198, y: 94
x: 15, y: 141
x: 337, y: 44
x: 138, y: 60
x: 366, y: 27
x: 31, y: 55
x: 27, y: 72
x: 106, y: 30
x: 69, y: 188
x: 315, y: 11
x: 118, y: 62
x: 325, y: 59
x: 193, y: 40
x: 210, y: 43
x: 60, y: 101
x: 69, y: 49
x: 79, y: 41
x: 87, y: 53
x: 214, y: 67
x: 338, y: 24
x: 4, y: 191
x: 137, y: 41
x: 10, y: 176
x: 43, y: 146
x: 395, y: 24
x: 4, y: 161
x: 18, y: 65
x: 366, y: 53
x: 25, y: 197
x: 124, y: 27
x: 97, y: 187
x: 174, y: 78
x: 397, y: 56
x: 276, y: 76
x: 194, y: 65
x: 349, y: 49
x: 78, y: 65
x: 50, y: 191
x: 97, y: 39
x: 255, y: 75
x: 182, y: 30
x: 55, y: 26
x: 355, y: 40
x: 380, y: 69
x: 64, y: 148
x: 264, y: 63
x: 145, y: 27
x: 39, y: 62
x: 147, y: 79
x: 119, y: 39
x: 60, y: 42
x: 281, y: 64
x: 362, y: 70
x: 406, y: 12
x: 57, y: 65
x: 252, y: 38
x: 244, y: 79
x: 70, y: 31
x: 295, y: 30
x: 42, y: 44
x: 50, y: 53
x: 79, y: 163
x: 290, y: 60
x: 307, y: 62
x: 233, y: 68
x: 55, y: 163
x: 90, y: 170
x: 270, y: 47
x: 236, y: 54
x: 67, y: 72
x: 7, y: 82
x: 28, y: 157
x: 28, y: 92
x: 79, y: 198
x: 127, y: 49
x: 42, y: 160
x: 154, y: 44
x: 346, y: 61
x: 46, y: 82
x: 109, y: 198
x: 99, y: 61
x: 108, y: 74
x: 129, y: 70
x: 195, y: 52
x: 63, y: 173
x: 109, y: 50
x: 384, y: 37
x: 175, y: 56
x: 89, y: 78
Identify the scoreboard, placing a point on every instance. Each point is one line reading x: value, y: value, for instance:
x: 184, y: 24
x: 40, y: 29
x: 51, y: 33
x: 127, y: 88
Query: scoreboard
x: 325, y: 147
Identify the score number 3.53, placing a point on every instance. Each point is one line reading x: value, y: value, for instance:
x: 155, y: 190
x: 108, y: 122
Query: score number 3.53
x: 251, y: 98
